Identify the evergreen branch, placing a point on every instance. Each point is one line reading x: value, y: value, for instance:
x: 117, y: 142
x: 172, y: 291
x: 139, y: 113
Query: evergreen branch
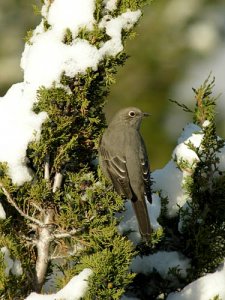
x: 13, y: 203
x: 183, y: 106
x: 205, y: 103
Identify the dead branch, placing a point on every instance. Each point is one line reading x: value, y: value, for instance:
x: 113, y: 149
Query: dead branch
x: 36, y: 206
x: 68, y: 234
x: 47, y: 168
x: 57, y: 182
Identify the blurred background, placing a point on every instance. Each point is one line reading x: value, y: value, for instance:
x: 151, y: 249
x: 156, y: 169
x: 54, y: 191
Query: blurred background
x: 178, y: 43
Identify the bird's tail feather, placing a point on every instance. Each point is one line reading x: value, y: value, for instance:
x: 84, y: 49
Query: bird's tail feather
x: 141, y: 212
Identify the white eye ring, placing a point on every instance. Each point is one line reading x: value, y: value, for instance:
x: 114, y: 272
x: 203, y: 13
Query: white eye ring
x: 131, y: 114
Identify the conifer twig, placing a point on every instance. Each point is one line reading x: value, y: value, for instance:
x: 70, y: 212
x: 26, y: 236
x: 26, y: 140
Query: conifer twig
x: 35, y: 205
x: 13, y: 203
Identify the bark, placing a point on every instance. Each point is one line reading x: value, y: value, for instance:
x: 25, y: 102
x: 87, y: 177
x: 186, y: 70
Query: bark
x: 57, y: 182
x: 47, y: 168
x: 43, y: 245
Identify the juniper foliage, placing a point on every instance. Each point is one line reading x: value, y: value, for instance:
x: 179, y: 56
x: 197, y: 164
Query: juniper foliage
x: 202, y: 234
x: 204, y: 225
x: 201, y: 237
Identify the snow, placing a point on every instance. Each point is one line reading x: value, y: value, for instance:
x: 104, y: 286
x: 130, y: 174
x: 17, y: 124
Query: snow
x: 7, y: 260
x: 154, y: 210
x: 113, y: 27
x: 210, y: 285
x: 129, y: 221
x: 182, y: 151
x: 221, y: 156
x: 17, y: 268
x: 48, y: 58
x: 110, y: 4
x: 11, y: 265
x: 74, y: 290
x: 19, y: 125
x: 204, y: 288
x: 162, y: 262
x: 72, y: 15
x: 171, y: 186
x: 206, y: 123
x: 189, y: 131
x: 45, y: 58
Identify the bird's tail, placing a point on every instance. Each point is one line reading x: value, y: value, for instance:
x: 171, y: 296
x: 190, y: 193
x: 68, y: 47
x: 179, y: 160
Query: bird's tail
x: 141, y: 212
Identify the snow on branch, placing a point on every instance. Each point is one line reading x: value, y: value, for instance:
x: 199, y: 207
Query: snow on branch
x: 74, y: 290
x: 205, y: 288
x: 45, y: 59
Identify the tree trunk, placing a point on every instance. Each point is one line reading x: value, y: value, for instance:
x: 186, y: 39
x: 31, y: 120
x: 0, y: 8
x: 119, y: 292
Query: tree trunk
x: 43, y: 244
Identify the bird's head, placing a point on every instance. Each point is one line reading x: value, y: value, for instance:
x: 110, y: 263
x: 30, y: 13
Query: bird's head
x: 131, y: 116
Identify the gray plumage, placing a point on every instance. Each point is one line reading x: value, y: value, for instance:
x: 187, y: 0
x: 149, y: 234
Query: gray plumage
x: 123, y: 159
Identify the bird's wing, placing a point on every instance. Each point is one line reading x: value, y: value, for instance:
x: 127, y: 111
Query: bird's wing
x: 114, y: 167
x: 145, y: 171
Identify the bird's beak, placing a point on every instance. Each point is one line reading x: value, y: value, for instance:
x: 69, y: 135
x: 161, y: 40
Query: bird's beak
x: 145, y: 114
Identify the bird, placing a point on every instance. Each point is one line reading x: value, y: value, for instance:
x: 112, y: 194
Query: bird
x: 123, y: 159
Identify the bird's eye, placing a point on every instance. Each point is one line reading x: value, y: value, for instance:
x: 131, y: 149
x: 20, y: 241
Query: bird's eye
x: 131, y: 113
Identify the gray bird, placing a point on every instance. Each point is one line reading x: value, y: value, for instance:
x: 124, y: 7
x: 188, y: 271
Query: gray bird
x: 123, y: 159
